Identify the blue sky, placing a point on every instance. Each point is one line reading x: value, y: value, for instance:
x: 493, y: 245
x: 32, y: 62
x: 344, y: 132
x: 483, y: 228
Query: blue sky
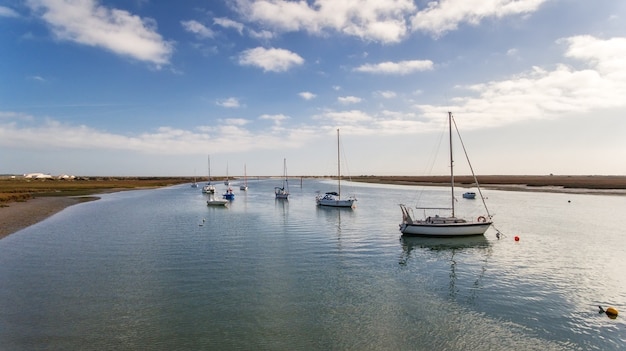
x: 146, y: 87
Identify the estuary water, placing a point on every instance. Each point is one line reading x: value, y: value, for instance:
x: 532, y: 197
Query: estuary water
x: 159, y: 270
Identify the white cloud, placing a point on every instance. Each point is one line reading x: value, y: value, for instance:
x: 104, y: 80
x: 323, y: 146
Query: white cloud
x: 307, y: 95
x: 261, y: 35
x: 7, y: 12
x: 383, y: 20
x: 273, y: 60
x: 546, y: 94
x: 228, y: 23
x: 86, y: 22
x: 443, y: 16
x: 235, y: 121
x: 230, y: 102
x: 387, y: 94
x: 349, y: 99
x: 277, y: 119
x: 197, y: 28
x: 346, y: 117
x: 401, y: 67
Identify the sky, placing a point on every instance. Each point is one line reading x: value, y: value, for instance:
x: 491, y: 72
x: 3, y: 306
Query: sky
x: 153, y: 87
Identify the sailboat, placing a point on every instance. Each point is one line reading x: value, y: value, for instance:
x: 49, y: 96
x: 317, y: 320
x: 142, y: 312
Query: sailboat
x: 226, y: 181
x: 208, y: 188
x: 194, y: 184
x: 283, y: 192
x: 333, y: 198
x: 450, y: 226
x: 244, y: 186
x: 212, y: 201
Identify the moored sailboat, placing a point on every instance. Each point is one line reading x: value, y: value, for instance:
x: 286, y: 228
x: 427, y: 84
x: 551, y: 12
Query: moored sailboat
x: 283, y: 192
x: 244, y: 186
x: 208, y: 188
x: 450, y: 226
x: 333, y: 198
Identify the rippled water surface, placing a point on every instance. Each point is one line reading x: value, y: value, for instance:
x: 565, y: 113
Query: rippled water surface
x: 159, y: 270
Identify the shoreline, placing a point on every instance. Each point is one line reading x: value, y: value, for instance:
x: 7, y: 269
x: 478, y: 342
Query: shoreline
x: 20, y: 215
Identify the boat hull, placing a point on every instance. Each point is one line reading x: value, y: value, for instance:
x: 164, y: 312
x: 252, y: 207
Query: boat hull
x: 335, y: 203
x: 444, y: 230
x: 216, y: 202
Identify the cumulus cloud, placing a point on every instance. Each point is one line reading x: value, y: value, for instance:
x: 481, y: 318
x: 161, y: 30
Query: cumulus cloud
x: 346, y: 117
x: 277, y: 119
x: 542, y: 93
x: 261, y: 35
x: 230, y: 102
x: 273, y: 60
x: 387, y: 94
x: 197, y: 28
x: 349, y: 99
x: 307, y: 95
x: 228, y: 23
x: 88, y: 23
x: 400, y: 68
x: 443, y: 16
x: 383, y: 21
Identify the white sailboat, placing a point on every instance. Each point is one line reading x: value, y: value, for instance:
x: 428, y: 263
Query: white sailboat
x: 244, y: 186
x: 212, y: 201
x: 450, y: 226
x: 283, y: 192
x: 226, y: 181
x: 208, y: 188
x: 333, y: 198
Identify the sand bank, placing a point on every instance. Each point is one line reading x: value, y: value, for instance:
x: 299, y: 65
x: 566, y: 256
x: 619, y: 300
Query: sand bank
x: 19, y: 215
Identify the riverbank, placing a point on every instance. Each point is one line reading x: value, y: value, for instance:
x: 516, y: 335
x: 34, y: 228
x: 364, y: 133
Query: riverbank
x: 24, y: 202
x: 19, y: 215
x: 596, y: 185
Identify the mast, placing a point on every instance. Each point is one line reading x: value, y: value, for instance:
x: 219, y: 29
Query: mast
x: 338, y: 168
x: 285, y: 174
x: 209, y: 165
x: 451, y: 161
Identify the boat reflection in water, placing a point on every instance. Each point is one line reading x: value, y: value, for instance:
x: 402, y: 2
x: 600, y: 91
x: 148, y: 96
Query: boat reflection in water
x: 467, y: 255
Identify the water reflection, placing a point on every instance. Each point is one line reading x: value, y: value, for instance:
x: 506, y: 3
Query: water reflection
x: 443, y: 244
x: 460, y: 253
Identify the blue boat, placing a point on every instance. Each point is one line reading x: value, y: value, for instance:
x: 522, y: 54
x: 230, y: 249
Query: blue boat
x: 469, y: 195
x: 228, y: 195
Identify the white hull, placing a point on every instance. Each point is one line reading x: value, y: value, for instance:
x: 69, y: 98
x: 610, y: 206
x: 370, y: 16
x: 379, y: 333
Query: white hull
x: 217, y: 202
x: 335, y: 203
x: 444, y: 230
x: 282, y: 196
x: 243, y: 187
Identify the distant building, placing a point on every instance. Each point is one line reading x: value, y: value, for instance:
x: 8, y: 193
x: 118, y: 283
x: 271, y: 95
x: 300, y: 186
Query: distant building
x: 37, y: 176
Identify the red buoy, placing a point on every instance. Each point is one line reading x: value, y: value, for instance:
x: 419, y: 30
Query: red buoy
x: 516, y: 238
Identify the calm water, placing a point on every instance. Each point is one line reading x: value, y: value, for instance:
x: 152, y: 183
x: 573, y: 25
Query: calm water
x: 142, y: 270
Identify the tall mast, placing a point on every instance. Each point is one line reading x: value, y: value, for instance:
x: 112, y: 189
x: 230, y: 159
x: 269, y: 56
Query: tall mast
x: 338, y: 167
x: 451, y: 161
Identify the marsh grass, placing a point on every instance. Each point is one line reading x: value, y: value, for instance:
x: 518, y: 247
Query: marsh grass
x: 19, y: 189
x: 568, y: 182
